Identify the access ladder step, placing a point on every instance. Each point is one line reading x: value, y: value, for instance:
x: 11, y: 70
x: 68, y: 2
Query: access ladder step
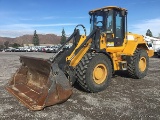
x: 123, y: 65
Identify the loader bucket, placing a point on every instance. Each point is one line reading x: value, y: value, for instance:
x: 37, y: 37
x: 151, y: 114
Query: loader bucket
x: 39, y: 83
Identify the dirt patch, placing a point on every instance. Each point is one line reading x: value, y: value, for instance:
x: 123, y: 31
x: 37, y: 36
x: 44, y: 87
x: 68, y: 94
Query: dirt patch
x: 125, y: 98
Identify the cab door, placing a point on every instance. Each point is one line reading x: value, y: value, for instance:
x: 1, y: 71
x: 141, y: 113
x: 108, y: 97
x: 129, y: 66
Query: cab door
x: 115, y: 28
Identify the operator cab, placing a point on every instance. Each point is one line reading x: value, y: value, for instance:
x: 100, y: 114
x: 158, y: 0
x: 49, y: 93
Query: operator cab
x: 110, y: 20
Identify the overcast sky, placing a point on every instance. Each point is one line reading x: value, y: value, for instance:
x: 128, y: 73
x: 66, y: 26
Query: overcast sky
x: 19, y: 17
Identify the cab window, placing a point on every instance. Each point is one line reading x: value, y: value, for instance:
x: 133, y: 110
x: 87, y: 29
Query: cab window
x: 119, y: 25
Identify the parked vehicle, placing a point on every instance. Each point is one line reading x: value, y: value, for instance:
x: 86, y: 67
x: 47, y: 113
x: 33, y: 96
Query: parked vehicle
x: 52, y: 49
x: 34, y: 48
x: 47, y: 48
x: 17, y: 50
x: 10, y: 49
x: 7, y: 50
x: 153, y: 43
x: 27, y: 49
x: 41, y: 48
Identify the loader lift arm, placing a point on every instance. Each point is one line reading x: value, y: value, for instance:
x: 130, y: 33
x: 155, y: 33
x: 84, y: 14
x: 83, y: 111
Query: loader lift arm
x: 81, y: 44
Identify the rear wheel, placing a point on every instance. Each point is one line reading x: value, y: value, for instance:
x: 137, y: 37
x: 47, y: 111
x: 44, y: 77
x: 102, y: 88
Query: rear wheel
x: 138, y: 64
x: 94, y: 72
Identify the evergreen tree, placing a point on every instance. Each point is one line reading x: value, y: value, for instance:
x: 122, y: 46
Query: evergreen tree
x: 63, y: 37
x: 149, y: 33
x: 35, y: 39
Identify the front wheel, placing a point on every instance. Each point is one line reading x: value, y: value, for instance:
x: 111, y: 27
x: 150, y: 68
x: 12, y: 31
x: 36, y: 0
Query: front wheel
x: 94, y: 72
x: 138, y: 64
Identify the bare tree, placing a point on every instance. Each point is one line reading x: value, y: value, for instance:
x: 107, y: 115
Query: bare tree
x: 6, y: 44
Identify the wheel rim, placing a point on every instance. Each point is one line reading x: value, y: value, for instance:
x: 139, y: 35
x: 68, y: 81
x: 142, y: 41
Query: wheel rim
x: 142, y: 64
x: 99, y: 73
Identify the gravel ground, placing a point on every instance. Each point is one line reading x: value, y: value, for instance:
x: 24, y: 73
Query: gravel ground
x: 124, y: 99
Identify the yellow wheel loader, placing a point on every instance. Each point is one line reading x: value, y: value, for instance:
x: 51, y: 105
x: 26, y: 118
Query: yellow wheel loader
x: 91, y: 61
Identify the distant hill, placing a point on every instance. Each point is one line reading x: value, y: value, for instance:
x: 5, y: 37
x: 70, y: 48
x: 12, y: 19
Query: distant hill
x: 27, y: 39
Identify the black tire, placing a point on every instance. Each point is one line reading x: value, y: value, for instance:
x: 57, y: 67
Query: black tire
x: 85, y: 68
x: 133, y: 65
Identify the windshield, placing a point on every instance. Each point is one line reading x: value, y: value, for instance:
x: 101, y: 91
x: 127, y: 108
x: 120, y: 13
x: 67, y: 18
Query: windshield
x: 97, y: 20
x: 102, y: 20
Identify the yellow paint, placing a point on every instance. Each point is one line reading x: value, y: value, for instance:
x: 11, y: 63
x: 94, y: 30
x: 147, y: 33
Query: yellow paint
x: 142, y: 64
x: 128, y: 48
x: 81, y: 53
x: 100, y: 73
x: 150, y: 52
x: 74, y: 59
x: 116, y: 58
x: 79, y: 43
x: 108, y: 8
x: 103, y: 41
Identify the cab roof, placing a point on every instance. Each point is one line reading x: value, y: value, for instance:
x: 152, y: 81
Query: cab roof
x: 107, y: 8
